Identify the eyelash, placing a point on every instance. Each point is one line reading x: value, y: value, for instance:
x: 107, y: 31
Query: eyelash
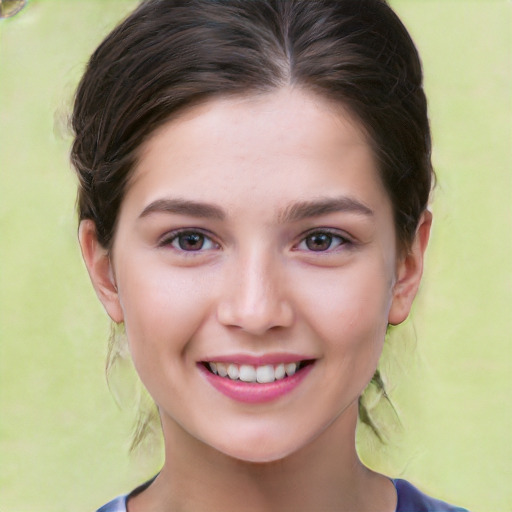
x: 173, y: 239
x: 333, y: 235
x: 170, y: 239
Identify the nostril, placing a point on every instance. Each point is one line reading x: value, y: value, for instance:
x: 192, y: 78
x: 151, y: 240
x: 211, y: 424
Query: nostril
x: 256, y: 320
x: 254, y: 299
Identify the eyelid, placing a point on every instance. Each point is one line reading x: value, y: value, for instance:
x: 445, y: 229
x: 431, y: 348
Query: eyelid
x: 335, y: 233
x: 169, y: 237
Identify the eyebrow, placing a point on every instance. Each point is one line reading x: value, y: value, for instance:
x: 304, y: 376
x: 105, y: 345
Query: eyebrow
x: 184, y: 207
x: 305, y: 209
x: 292, y: 213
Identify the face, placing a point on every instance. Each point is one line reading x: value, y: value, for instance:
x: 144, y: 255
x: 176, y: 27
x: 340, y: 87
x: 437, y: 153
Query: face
x: 255, y: 239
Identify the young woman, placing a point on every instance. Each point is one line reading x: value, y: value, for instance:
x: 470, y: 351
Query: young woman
x: 254, y: 180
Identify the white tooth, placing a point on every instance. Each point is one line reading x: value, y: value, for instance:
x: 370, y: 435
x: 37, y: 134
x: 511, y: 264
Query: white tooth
x: 213, y: 367
x: 247, y: 373
x: 279, y: 372
x: 265, y: 374
x: 233, y: 371
x: 221, y: 369
x: 290, y: 369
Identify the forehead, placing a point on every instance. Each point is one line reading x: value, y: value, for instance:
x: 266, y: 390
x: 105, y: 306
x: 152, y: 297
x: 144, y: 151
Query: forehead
x: 287, y: 145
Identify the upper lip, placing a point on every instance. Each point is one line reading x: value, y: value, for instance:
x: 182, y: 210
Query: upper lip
x: 258, y: 360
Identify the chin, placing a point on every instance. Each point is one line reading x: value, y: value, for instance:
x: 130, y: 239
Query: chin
x: 260, y: 449
x: 260, y: 456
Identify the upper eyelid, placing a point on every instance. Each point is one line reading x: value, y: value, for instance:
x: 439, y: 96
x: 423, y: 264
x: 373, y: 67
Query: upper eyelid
x: 330, y: 231
x: 169, y: 236
x: 336, y: 233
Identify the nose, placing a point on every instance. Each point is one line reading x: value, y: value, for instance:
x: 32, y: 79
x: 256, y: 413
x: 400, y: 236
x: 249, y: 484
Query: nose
x: 254, y: 298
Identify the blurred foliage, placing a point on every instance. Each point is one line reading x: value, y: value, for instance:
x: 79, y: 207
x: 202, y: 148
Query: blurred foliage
x: 9, y: 8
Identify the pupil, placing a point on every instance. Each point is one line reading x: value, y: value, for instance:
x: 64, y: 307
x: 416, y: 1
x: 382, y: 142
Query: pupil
x: 319, y: 242
x: 191, y: 241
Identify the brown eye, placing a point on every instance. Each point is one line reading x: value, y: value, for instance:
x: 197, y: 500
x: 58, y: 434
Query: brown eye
x: 322, y: 241
x: 319, y: 241
x: 190, y: 241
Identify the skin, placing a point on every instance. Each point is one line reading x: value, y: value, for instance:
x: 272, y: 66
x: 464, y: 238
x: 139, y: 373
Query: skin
x: 256, y: 287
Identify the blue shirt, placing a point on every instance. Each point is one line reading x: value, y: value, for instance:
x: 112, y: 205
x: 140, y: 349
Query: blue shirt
x: 410, y: 499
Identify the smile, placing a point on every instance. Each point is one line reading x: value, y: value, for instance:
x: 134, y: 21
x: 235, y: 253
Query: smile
x: 262, y: 374
x: 256, y: 383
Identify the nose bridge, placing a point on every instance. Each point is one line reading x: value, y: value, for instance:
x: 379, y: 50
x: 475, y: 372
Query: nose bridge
x: 255, y: 297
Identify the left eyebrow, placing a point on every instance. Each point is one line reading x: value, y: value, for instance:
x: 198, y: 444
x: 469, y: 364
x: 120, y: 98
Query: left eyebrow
x: 305, y: 209
x: 184, y: 207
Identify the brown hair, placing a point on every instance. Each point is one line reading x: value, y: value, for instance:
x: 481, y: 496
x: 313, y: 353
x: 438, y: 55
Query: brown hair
x: 171, y: 54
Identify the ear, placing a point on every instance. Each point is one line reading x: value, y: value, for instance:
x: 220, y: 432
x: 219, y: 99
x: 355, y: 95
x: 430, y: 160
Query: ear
x: 409, y: 272
x: 99, y: 266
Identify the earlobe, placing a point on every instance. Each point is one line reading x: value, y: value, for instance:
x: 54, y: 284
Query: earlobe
x: 409, y: 272
x: 99, y: 266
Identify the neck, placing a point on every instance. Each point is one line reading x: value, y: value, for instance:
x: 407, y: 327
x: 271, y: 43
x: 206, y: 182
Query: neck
x: 326, y: 474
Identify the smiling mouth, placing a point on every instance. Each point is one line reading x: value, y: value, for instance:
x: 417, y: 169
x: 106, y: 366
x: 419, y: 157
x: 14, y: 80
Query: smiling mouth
x: 261, y: 374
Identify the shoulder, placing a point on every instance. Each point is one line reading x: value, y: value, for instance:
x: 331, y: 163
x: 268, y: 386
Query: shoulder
x: 119, y: 504
x: 116, y: 505
x: 411, y: 499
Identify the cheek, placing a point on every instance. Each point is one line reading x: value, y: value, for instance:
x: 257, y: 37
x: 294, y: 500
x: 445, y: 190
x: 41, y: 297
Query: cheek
x: 349, y: 306
x: 162, y: 309
x: 350, y: 316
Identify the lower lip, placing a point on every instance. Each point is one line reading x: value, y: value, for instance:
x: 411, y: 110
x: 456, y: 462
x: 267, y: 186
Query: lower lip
x: 252, y: 392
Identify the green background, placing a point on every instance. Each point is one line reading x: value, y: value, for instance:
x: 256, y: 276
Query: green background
x: 64, y: 441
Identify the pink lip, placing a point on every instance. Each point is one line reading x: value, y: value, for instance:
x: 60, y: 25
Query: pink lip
x: 250, y: 392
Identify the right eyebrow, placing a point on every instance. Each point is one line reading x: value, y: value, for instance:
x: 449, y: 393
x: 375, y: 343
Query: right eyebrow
x: 323, y: 206
x: 184, y: 207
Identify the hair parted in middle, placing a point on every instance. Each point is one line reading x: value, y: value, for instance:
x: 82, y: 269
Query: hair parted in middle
x: 170, y: 55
